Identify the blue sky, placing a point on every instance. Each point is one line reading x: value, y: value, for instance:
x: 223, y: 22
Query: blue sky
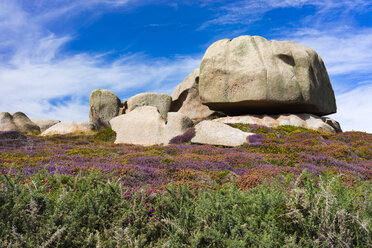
x: 53, y: 53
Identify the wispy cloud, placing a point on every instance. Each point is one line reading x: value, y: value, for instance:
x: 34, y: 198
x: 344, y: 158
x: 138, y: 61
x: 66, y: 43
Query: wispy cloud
x: 37, y: 79
x: 354, y: 109
x: 248, y: 11
x: 39, y: 87
x: 344, y: 50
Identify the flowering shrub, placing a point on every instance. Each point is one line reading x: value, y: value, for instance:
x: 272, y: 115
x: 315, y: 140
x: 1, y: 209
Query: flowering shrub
x: 183, y: 138
x: 79, y: 191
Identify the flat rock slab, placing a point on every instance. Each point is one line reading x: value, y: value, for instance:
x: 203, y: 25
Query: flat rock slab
x: 251, y: 75
x: 215, y: 133
x: 44, y: 124
x: 145, y: 126
x: 299, y: 120
x: 69, y: 128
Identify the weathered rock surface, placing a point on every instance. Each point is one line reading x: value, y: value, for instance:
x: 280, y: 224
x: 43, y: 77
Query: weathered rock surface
x: 299, y: 120
x: 216, y: 133
x: 145, y: 126
x: 17, y: 122
x: 69, y: 127
x: 186, y: 99
x: 103, y: 106
x: 24, y: 124
x: 336, y: 126
x: 252, y: 75
x: 161, y: 101
x: 7, y: 122
x: 44, y: 124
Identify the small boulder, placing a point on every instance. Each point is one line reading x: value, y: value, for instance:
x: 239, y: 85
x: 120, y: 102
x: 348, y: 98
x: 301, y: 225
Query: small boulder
x: 251, y: 75
x: 186, y: 99
x: 215, y: 133
x: 145, y: 126
x: 44, y: 124
x: 24, y: 124
x: 335, y: 124
x: 7, y: 122
x: 299, y: 120
x: 103, y: 106
x: 70, y: 128
x: 161, y: 101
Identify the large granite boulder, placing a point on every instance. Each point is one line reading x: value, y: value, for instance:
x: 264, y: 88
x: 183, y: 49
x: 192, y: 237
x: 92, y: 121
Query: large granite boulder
x: 44, y: 124
x: 17, y: 122
x: 161, y: 101
x: 69, y: 128
x: 299, y: 120
x: 252, y: 75
x: 186, y: 99
x: 215, y: 133
x: 145, y: 126
x: 103, y: 106
x: 24, y: 124
x: 7, y: 122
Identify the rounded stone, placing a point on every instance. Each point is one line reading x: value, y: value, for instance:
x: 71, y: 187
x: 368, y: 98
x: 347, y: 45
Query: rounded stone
x: 250, y: 75
x: 103, y: 106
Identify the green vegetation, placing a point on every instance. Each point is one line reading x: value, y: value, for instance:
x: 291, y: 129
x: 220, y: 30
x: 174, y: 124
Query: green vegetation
x: 105, y: 134
x: 91, y: 211
x: 288, y: 187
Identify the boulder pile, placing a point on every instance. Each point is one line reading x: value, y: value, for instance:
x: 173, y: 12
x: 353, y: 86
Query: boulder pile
x: 247, y: 80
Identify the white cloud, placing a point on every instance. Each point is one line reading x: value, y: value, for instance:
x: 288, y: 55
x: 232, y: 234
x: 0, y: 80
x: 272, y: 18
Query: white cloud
x: 344, y: 51
x: 35, y: 86
x: 248, y: 11
x: 355, y: 109
x: 36, y: 79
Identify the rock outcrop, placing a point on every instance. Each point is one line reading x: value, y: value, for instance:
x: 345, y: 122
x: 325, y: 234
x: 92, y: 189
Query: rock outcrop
x: 299, y: 120
x: 7, y: 122
x: 161, y: 101
x: 215, y: 133
x: 44, y: 124
x: 145, y: 126
x: 186, y: 99
x: 336, y: 126
x: 17, y: 122
x: 250, y: 75
x: 103, y: 106
x: 70, y: 128
x: 24, y: 124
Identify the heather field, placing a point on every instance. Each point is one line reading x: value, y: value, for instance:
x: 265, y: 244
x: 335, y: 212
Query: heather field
x: 288, y: 187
